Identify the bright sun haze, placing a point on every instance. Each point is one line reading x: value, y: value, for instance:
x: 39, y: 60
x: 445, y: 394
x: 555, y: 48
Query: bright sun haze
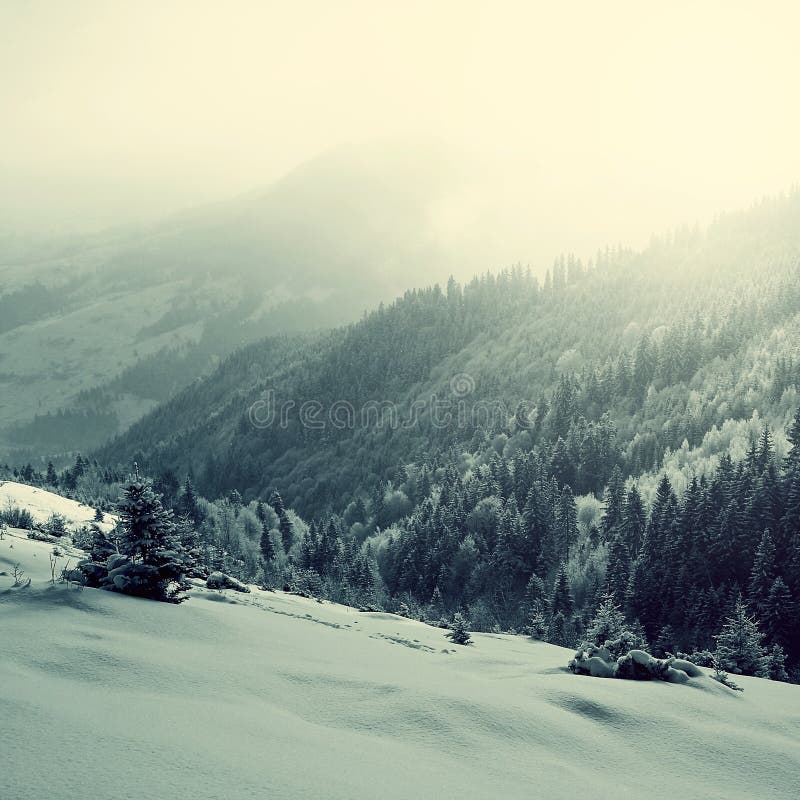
x: 598, y: 122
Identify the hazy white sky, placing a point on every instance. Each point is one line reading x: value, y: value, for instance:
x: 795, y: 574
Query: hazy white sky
x: 634, y: 116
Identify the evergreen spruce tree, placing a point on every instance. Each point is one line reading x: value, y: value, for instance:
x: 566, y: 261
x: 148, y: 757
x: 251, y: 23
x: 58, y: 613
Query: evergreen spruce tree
x: 562, y: 601
x: 534, y: 595
x: 777, y: 664
x: 267, y: 546
x: 458, y: 631
x: 739, y: 648
x: 776, y: 616
x: 284, y: 523
x: 155, y: 560
x: 608, y: 623
x: 614, y: 502
x: 561, y: 631
x: 665, y: 642
x: 188, y: 502
x: 537, y: 623
x: 790, y: 520
x: 619, y: 567
x: 52, y: 476
x: 634, y: 521
x: 762, y: 575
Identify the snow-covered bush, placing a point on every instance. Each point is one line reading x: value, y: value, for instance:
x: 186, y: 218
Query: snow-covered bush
x: 219, y: 580
x: 703, y: 658
x: 56, y: 526
x: 634, y: 665
x: 83, y: 536
x: 537, y: 625
x: 723, y: 678
x: 16, y: 517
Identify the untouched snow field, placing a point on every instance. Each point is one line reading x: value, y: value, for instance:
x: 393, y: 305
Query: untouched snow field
x: 268, y: 695
x: 43, y: 504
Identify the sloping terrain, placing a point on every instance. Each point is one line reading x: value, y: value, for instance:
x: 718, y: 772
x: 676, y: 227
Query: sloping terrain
x: 41, y: 505
x: 699, y: 329
x: 268, y: 694
x: 106, y: 326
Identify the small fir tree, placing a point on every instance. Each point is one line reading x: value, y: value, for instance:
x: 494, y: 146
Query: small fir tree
x: 537, y: 624
x: 458, y: 631
x: 267, y: 546
x: 739, y: 648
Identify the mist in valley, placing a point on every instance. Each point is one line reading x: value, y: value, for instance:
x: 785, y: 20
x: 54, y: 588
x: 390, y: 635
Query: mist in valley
x: 511, y: 136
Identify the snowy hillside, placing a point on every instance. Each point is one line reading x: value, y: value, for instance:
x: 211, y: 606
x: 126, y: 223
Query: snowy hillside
x: 273, y: 695
x: 41, y: 505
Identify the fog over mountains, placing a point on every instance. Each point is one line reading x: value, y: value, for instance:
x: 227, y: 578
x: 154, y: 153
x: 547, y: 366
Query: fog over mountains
x: 83, y: 315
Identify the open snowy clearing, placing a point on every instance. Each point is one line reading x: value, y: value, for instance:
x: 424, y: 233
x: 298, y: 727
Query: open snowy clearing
x: 42, y: 504
x: 108, y: 697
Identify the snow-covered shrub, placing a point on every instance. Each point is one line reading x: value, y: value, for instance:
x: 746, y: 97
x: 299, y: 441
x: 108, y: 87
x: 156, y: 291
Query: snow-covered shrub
x: 723, y: 678
x: 634, y: 665
x: 17, y: 518
x: 82, y: 537
x: 56, y: 526
x: 703, y: 658
x: 219, y: 580
x: 38, y: 535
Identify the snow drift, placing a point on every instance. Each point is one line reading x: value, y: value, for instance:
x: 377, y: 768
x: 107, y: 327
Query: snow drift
x: 268, y: 694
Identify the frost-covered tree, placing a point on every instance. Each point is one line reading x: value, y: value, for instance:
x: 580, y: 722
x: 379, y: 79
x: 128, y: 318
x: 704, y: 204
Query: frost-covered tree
x: 458, y: 631
x: 608, y: 622
x: 562, y: 601
x: 284, y: 523
x: 762, y: 574
x: 56, y: 526
x: 146, y: 557
x: 777, y: 664
x: 739, y: 647
x: 777, y: 613
x: 537, y: 624
x: 535, y: 595
x: 665, y: 642
x: 267, y: 546
x: 610, y: 629
x: 561, y: 631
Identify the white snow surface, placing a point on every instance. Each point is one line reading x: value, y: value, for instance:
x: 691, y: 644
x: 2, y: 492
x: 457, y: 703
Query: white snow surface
x: 269, y: 695
x: 43, y: 504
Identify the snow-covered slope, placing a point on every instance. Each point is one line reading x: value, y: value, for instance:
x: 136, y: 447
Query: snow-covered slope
x: 42, y: 504
x: 106, y: 697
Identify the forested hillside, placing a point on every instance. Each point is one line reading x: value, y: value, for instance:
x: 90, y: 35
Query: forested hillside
x: 616, y: 365
x: 97, y: 330
x: 622, y: 436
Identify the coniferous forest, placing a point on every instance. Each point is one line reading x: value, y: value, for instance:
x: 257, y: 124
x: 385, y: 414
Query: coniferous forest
x: 617, y: 442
